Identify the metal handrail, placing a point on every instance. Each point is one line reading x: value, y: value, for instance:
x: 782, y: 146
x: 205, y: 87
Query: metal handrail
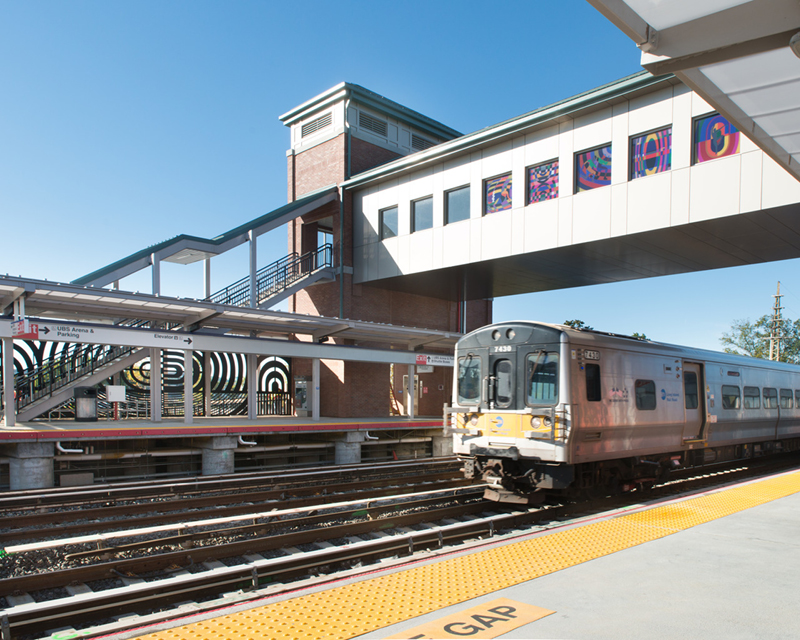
x: 275, y: 277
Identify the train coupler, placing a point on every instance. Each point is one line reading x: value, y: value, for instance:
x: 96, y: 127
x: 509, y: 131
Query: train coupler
x: 512, y: 497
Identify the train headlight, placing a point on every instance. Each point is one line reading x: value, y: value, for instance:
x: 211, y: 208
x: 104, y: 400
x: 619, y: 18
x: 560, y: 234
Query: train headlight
x: 548, y: 422
x: 536, y: 422
x: 474, y: 420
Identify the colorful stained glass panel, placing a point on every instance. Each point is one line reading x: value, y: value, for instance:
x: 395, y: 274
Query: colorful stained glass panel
x: 593, y: 169
x: 714, y: 137
x: 543, y: 182
x: 498, y: 194
x: 651, y: 153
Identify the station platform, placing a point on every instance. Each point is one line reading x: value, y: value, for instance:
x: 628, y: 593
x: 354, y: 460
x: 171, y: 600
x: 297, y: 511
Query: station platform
x: 40, y: 430
x: 719, y: 564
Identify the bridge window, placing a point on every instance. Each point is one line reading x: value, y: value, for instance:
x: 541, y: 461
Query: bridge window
x: 422, y: 214
x: 388, y: 223
x: 713, y: 137
x: 456, y: 205
x: 752, y: 398
x: 651, y: 153
x: 730, y: 397
x: 543, y: 182
x: 645, y: 395
x: 770, y: 398
x: 497, y: 194
x: 786, y: 399
x: 593, y: 169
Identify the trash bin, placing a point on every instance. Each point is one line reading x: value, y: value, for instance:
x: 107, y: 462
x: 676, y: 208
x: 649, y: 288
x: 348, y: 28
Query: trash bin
x: 85, y: 404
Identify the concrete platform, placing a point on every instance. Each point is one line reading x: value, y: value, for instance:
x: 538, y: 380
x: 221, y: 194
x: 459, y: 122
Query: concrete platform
x: 171, y: 427
x: 717, y: 565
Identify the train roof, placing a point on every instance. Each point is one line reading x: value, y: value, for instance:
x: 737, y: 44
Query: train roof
x: 620, y: 341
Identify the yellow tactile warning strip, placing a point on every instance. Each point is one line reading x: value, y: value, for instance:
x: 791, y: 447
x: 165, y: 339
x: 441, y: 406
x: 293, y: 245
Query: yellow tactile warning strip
x: 361, y: 607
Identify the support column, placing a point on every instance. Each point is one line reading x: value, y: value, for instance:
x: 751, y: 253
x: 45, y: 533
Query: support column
x: 188, y: 378
x: 218, y: 455
x: 207, y: 382
x: 30, y: 465
x: 156, y: 274
x: 315, y: 389
x: 252, y: 386
x: 8, y: 382
x: 348, y: 448
x: 155, y: 385
x: 207, y: 277
x: 410, y: 395
x: 253, y: 269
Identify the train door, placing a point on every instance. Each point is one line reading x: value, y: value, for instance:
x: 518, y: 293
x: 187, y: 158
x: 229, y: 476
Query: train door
x: 502, y: 382
x: 693, y: 400
x: 416, y: 393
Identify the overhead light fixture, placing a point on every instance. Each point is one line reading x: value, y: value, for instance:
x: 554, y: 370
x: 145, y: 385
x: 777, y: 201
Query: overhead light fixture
x: 794, y: 44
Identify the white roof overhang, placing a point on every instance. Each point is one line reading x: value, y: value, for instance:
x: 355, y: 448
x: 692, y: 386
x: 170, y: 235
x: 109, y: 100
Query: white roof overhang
x: 736, y: 54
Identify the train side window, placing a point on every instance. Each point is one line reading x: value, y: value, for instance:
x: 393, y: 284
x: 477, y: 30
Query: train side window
x: 752, y: 398
x: 645, y: 395
x: 542, y: 372
x: 593, y: 393
x: 690, y: 390
x: 730, y: 397
x: 797, y: 398
x: 786, y: 399
x: 504, y: 384
x: 770, y: 398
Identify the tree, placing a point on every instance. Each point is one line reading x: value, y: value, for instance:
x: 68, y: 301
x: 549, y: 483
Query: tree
x: 578, y: 324
x: 639, y: 336
x: 752, y: 339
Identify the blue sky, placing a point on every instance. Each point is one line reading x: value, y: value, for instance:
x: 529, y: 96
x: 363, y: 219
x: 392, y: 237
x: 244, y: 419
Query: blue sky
x: 126, y: 123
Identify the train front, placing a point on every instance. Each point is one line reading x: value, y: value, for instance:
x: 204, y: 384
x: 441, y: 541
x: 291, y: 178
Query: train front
x: 510, y: 416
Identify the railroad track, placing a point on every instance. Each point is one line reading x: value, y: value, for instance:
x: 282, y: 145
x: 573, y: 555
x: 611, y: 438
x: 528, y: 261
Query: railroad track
x: 285, y: 545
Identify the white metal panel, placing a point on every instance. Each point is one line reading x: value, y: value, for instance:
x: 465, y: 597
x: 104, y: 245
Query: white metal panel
x: 403, y: 256
x: 663, y: 15
x: 750, y: 197
x: 619, y: 210
x: 496, y: 237
x: 619, y: 144
x: 649, y: 203
x: 388, y: 252
x: 592, y: 130
x: 541, y: 225
x: 651, y: 111
x: 591, y: 215
x: 565, y: 221
x: 518, y: 231
x: 497, y: 160
x: 541, y: 146
x: 699, y: 106
x: 779, y: 186
x: 475, y: 236
x: 680, y: 196
x: 456, y: 243
x: 438, y: 240
x: 714, y: 190
x: 420, y: 247
x: 566, y: 164
x: 456, y: 174
x: 682, y: 130
x: 371, y: 258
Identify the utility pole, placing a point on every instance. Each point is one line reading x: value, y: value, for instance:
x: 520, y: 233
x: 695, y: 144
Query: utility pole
x: 775, y: 336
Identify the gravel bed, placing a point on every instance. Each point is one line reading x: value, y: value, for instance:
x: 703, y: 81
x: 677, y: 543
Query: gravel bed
x: 50, y: 594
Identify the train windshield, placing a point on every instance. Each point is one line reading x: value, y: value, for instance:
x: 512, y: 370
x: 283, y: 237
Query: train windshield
x: 542, y: 376
x: 469, y: 380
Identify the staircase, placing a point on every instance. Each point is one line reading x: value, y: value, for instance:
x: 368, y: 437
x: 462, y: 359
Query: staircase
x: 279, y: 280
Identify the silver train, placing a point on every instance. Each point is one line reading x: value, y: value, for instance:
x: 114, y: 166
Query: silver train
x: 540, y: 408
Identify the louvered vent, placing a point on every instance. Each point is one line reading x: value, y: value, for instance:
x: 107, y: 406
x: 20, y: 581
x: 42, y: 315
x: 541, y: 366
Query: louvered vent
x: 315, y: 125
x: 366, y: 121
x: 420, y: 143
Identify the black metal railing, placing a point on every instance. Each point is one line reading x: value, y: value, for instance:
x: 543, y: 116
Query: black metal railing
x: 275, y: 277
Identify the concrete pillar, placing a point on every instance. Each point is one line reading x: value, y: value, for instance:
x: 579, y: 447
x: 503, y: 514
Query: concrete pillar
x: 218, y: 455
x: 442, y: 446
x: 30, y: 465
x: 8, y: 382
x: 410, y: 392
x: 252, y: 386
x: 253, y: 269
x: 348, y: 448
x: 207, y: 382
x: 155, y: 385
x: 315, y: 389
x: 188, y: 378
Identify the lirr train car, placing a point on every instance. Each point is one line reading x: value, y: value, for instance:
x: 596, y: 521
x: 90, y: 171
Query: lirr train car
x: 541, y: 408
